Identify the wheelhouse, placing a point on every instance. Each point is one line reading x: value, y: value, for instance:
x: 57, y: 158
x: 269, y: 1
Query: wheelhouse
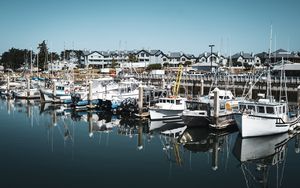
x: 263, y: 109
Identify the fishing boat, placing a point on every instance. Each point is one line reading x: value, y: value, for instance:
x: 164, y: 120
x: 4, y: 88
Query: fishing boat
x: 59, y: 92
x: 265, y: 116
x: 200, y: 112
x: 171, y: 107
x: 167, y: 108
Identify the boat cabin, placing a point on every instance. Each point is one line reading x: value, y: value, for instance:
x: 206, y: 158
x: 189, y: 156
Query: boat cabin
x: 177, y: 101
x: 196, y: 105
x: 260, y: 108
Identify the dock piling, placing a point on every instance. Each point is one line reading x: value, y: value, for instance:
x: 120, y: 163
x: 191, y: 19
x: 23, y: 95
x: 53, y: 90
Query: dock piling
x: 201, y: 87
x: 90, y: 93
x: 140, y: 104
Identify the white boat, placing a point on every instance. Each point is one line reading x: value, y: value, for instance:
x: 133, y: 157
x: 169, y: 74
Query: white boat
x: 200, y: 112
x: 32, y: 93
x: 167, y: 108
x: 264, y: 117
x: 61, y: 93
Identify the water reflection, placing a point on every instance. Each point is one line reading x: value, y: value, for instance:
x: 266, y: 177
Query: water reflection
x: 259, y: 155
x: 171, y: 147
x: 207, y: 140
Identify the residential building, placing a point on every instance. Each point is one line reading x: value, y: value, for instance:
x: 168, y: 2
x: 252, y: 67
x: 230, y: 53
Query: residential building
x: 214, y: 57
x: 245, y: 58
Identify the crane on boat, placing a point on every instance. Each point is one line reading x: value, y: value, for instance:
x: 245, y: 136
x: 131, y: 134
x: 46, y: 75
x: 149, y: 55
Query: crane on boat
x: 177, y: 82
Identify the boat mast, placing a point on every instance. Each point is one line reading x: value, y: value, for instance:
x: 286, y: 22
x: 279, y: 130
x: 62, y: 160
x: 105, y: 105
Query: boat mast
x: 269, y: 89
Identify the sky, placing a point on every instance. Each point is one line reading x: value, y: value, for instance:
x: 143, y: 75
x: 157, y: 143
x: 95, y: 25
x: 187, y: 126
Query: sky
x: 188, y: 26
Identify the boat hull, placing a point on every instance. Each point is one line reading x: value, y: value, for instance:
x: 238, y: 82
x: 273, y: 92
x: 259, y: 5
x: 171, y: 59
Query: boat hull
x: 162, y: 114
x: 251, y: 126
x: 196, y: 121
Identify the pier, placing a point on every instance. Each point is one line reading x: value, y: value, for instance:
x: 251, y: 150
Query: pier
x: 239, y: 85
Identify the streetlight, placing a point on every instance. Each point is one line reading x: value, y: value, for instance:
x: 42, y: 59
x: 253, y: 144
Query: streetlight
x: 211, y: 47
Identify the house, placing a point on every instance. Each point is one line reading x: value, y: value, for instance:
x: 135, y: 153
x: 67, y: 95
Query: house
x: 281, y: 53
x: 214, y: 57
x: 141, y: 58
x: 96, y: 58
x: 61, y: 65
x: 245, y: 58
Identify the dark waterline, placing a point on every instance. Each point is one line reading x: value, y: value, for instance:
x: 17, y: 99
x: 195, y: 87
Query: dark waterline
x: 43, y: 147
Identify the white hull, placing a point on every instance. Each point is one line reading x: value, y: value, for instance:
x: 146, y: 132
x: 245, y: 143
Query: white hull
x: 162, y: 114
x: 32, y: 94
x: 47, y: 96
x: 251, y: 126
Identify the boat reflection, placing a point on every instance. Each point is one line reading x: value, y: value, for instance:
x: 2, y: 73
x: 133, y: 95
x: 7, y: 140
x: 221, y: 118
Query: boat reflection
x: 203, y: 139
x: 258, y: 155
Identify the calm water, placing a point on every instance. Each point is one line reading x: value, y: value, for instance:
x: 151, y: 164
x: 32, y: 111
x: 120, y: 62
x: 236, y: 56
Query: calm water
x: 45, y: 146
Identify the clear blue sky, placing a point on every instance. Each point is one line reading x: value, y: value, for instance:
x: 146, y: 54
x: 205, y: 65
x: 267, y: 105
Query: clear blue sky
x: 170, y: 25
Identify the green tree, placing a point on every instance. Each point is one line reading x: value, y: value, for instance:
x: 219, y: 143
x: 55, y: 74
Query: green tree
x: 154, y: 67
x: 187, y: 63
x: 42, y: 55
x: 114, y: 63
x: 53, y: 56
x: 15, y: 58
x: 166, y: 64
x: 132, y: 58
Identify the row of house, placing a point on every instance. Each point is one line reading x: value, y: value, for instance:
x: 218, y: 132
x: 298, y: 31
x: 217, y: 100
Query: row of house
x: 204, y: 61
x: 143, y: 58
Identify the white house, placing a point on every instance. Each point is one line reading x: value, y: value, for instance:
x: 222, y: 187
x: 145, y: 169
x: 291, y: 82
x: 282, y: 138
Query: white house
x: 60, y: 65
x: 214, y: 57
x: 246, y: 58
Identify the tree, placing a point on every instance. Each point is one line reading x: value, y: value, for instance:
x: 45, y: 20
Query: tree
x: 187, y: 63
x: 166, y: 64
x: 132, y: 58
x: 154, y: 67
x: 114, y: 63
x: 53, y: 56
x: 43, y: 55
x: 15, y: 58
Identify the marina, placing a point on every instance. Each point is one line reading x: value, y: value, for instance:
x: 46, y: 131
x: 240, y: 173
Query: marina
x: 149, y: 93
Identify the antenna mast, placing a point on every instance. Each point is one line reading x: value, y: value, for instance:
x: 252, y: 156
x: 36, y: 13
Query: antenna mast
x: 270, y: 48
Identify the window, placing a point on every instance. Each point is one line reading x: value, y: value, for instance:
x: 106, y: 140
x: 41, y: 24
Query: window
x: 178, y: 102
x: 270, y: 110
x: 226, y: 97
x: 142, y: 54
x: 283, y: 109
x: 242, y: 107
x: 164, y: 59
x: 251, y: 107
x: 260, y: 109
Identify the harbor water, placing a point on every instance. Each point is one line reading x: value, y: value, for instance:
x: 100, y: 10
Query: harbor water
x: 44, y: 145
